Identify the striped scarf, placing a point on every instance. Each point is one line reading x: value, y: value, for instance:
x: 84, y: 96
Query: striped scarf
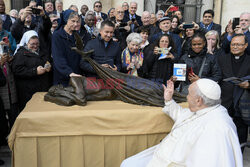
x: 127, y: 58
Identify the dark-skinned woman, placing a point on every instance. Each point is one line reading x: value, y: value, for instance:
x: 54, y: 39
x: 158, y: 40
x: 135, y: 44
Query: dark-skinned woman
x: 200, y: 64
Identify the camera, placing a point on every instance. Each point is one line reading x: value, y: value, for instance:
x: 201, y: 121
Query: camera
x: 133, y: 19
x: 35, y: 11
x: 164, y: 51
x: 186, y: 26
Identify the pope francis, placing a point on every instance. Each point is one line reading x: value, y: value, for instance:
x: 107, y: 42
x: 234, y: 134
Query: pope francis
x: 203, y: 135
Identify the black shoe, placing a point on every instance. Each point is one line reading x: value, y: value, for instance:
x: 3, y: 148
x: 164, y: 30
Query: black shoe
x: 1, y: 162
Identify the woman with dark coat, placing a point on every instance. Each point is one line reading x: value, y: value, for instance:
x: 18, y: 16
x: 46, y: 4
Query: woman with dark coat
x: 194, y: 60
x: 66, y: 61
x: 155, y: 68
x: 30, y: 67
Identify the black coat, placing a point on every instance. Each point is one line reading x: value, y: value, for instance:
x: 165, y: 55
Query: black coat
x: 186, y: 45
x: 24, y: 67
x: 66, y: 61
x: 156, y: 70
x: 103, y: 15
x: 226, y: 43
x: 45, y: 35
x: 85, y: 36
x: 177, y: 41
x: 18, y: 29
x: 137, y: 18
x: 103, y: 55
x: 3, y: 121
x: 228, y: 93
x: 7, y: 23
x: 216, y: 27
x: 121, y: 34
x: 152, y: 30
x: 211, y: 68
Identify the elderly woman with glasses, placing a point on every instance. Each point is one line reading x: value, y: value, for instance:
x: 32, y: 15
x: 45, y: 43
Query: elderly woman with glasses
x: 31, y: 68
x: 132, y: 57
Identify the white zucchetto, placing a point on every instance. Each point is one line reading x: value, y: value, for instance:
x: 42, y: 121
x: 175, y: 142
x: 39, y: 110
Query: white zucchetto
x: 209, y: 88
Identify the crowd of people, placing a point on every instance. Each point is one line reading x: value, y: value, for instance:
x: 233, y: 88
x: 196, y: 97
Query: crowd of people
x: 36, y: 42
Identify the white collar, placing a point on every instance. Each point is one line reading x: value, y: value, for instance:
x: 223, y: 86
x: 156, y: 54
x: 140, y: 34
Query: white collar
x: 205, y: 110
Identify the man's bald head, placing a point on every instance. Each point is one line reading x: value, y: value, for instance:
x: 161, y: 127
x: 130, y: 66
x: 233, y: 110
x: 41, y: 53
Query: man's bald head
x: 145, y: 18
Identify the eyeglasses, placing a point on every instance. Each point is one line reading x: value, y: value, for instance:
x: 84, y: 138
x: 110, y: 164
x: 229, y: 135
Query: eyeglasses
x: 237, y: 44
x: 98, y: 6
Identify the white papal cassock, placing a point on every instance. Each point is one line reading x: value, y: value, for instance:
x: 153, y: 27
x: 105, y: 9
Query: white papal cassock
x: 206, y: 138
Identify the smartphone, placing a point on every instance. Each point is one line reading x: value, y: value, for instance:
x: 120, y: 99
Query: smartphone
x: 5, y: 40
x: 236, y: 21
x: 186, y: 26
x: 5, y: 49
x: 190, y: 71
x: 35, y: 11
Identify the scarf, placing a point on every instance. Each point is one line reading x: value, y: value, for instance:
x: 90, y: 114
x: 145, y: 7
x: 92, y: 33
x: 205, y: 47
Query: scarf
x: 127, y: 58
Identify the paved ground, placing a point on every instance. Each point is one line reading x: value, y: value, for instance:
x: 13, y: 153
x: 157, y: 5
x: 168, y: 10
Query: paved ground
x: 5, y: 155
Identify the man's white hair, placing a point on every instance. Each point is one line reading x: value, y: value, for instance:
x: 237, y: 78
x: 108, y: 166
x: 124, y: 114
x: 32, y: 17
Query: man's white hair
x: 145, y: 13
x: 160, y: 12
x: 133, y: 2
x: 245, y: 13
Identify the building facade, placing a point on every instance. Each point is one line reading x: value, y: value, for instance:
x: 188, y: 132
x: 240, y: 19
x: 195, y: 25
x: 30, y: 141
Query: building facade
x: 192, y: 9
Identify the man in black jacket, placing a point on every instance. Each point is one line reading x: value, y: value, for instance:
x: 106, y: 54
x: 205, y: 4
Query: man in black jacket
x: 235, y: 64
x: 145, y: 18
x: 165, y: 26
x: 132, y: 18
x: 106, y: 51
x: 98, y: 8
x: 122, y: 29
x: 23, y: 24
x: 207, y: 23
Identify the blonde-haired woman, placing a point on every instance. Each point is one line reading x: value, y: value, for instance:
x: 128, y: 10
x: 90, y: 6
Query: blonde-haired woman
x: 213, y: 41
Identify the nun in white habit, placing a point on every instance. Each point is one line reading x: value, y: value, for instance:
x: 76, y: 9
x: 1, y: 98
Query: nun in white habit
x: 203, y: 135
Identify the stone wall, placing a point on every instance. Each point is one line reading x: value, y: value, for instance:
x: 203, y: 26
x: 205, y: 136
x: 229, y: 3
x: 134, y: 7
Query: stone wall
x: 107, y: 4
x: 233, y: 8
